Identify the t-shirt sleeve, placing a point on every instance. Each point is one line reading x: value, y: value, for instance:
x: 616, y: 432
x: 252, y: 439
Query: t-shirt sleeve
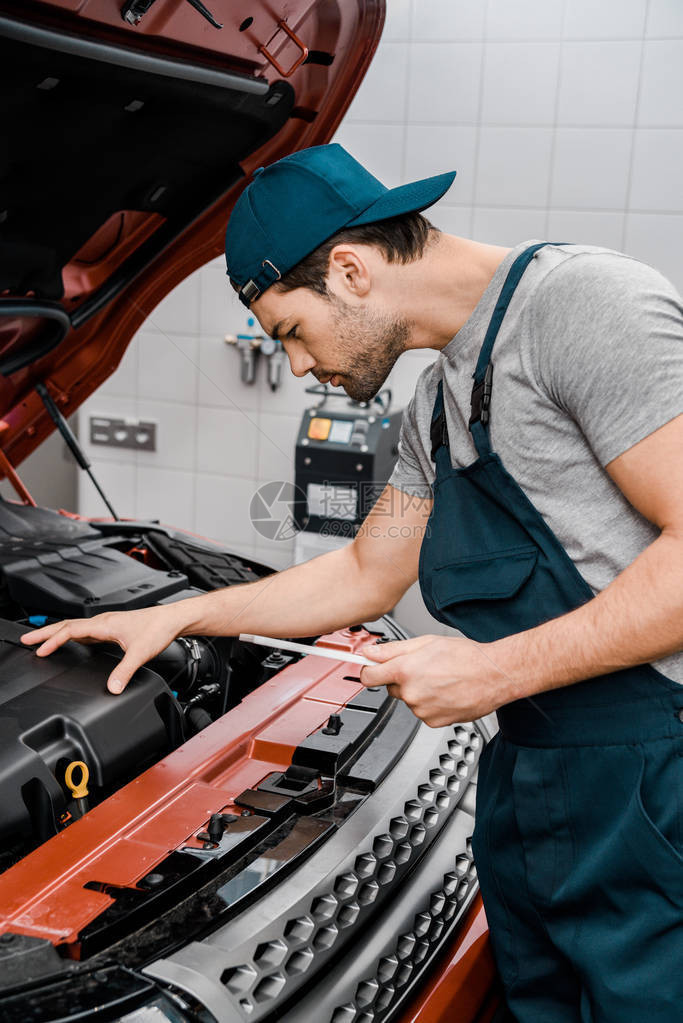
x: 408, y: 474
x: 608, y: 338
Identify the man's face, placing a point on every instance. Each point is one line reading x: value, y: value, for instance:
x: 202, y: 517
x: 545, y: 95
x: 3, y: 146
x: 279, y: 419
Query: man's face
x: 351, y: 346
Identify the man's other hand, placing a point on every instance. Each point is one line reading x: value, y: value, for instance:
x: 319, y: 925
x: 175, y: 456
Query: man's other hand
x: 442, y: 679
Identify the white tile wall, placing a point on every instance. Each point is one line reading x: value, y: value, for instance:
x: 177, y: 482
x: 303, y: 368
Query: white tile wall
x: 218, y: 303
x: 664, y: 18
x: 452, y: 20
x: 563, y: 119
x: 397, y: 23
x: 607, y: 19
x: 222, y: 508
x: 385, y: 86
x: 178, y: 313
x: 214, y: 426
x: 591, y: 168
x: 276, y: 441
x: 524, y: 19
x: 657, y: 182
x: 167, y: 362
x: 507, y: 226
x: 593, y: 228
x: 164, y: 494
x: 661, y: 94
x: 531, y: 71
x: 514, y: 166
x: 444, y: 82
x: 599, y: 83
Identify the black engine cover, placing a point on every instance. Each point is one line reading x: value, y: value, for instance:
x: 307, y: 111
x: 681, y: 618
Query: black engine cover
x: 57, y: 709
x: 56, y: 566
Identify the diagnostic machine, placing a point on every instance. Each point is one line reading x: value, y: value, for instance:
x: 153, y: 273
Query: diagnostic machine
x: 345, y: 452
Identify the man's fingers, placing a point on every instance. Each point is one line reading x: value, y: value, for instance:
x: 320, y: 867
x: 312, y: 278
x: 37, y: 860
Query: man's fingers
x: 58, y: 638
x: 386, y: 651
x: 382, y: 651
x: 123, y: 672
x: 80, y: 629
x: 40, y: 635
x: 379, y: 674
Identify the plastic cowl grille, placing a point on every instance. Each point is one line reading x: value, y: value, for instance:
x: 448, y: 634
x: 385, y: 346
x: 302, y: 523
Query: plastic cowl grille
x: 378, y: 992
x: 278, y: 966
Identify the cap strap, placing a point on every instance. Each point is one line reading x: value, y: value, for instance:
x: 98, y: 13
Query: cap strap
x: 267, y: 275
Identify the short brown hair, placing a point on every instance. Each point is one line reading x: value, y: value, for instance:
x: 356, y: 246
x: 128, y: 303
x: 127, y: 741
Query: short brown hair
x: 401, y: 239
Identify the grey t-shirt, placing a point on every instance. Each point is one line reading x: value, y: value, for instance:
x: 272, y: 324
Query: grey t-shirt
x: 588, y: 361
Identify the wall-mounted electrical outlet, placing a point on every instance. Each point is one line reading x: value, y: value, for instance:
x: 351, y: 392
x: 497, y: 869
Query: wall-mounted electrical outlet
x: 136, y: 434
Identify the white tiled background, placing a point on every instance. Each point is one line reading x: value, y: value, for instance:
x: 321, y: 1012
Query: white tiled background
x: 564, y: 119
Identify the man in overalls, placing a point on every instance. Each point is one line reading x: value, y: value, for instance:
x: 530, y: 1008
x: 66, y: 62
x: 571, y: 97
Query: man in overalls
x: 540, y: 485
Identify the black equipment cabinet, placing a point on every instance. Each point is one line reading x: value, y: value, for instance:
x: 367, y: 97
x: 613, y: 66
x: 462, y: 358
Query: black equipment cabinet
x: 345, y: 453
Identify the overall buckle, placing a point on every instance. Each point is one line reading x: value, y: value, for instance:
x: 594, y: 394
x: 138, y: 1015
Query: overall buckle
x: 481, y: 398
x: 438, y: 434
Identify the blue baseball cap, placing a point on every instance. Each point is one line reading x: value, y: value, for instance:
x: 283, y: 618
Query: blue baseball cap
x: 297, y: 203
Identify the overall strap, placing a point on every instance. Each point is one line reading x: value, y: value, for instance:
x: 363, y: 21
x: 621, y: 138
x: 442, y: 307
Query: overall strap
x: 483, y: 374
x: 438, y: 434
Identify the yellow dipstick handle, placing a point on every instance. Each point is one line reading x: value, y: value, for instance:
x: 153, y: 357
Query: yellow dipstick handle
x: 78, y: 790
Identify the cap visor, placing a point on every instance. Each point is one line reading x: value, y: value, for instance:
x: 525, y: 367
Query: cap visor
x: 410, y: 198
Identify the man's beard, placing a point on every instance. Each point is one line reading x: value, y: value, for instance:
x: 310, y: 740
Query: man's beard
x: 369, y: 343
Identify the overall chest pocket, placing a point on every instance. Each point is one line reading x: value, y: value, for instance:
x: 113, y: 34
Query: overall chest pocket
x: 474, y: 594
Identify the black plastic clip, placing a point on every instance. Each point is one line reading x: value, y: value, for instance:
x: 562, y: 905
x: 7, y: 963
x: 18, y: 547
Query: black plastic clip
x: 481, y: 398
x: 217, y: 825
x: 334, y: 725
x: 438, y: 435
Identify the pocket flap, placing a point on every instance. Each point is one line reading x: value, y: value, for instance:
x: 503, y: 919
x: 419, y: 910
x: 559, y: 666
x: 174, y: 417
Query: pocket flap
x: 486, y: 577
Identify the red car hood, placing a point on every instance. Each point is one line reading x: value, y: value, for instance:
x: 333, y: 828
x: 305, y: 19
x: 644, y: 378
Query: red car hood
x: 126, y: 148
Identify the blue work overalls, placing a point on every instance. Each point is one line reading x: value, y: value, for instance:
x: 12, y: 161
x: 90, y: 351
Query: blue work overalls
x: 578, y: 839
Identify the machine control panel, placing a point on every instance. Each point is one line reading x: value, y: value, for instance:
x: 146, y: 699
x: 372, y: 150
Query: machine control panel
x: 346, y: 431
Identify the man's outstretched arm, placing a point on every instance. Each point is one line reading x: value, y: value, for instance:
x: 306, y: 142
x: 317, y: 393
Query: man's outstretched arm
x: 357, y: 583
x: 636, y: 619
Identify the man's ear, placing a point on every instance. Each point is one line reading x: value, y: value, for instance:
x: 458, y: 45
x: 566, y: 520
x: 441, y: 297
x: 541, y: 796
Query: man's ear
x: 349, y: 273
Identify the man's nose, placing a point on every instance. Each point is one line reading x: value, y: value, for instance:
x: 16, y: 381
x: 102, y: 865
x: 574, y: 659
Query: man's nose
x: 300, y: 361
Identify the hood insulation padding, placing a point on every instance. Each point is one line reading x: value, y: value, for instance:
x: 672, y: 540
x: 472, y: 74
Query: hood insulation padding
x: 84, y: 139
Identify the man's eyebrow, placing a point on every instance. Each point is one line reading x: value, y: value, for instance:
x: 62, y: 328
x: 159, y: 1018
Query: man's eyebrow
x: 276, y: 330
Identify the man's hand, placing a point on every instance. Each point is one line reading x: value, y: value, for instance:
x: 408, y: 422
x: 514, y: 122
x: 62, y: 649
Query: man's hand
x: 442, y: 679
x: 140, y: 634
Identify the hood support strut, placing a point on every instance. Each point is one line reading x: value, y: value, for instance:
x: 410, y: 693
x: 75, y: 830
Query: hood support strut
x: 71, y: 441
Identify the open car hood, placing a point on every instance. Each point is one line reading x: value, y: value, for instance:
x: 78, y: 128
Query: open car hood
x: 131, y: 127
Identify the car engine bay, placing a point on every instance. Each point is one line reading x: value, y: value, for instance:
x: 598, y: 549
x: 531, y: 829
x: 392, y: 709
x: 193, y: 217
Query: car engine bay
x: 56, y: 711
x: 133, y: 824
